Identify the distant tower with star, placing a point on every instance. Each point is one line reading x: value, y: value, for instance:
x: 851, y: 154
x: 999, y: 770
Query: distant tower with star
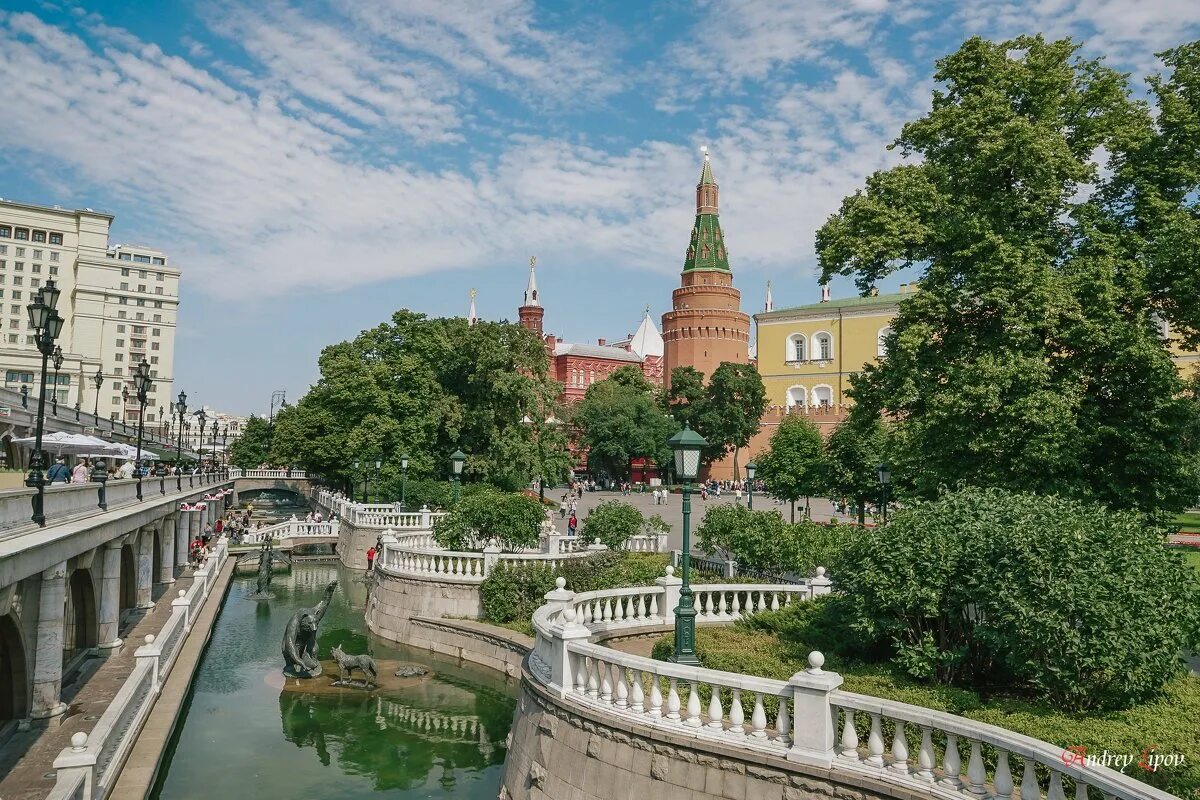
x: 531, y: 312
x: 705, y: 325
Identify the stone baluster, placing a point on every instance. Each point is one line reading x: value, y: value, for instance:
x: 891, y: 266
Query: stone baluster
x: 621, y: 688
x: 693, y: 706
x: 737, y: 715
x: 1056, y: 788
x: 673, y: 701
x: 637, y: 700
x: 976, y: 774
x: 1002, y: 780
x: 875, y: 741
x: 1030, y: 790
x: 758, y: 718
x: 849, y: 739
x: 656, y: 698
x: 925, y: 757
x: 900, y: 749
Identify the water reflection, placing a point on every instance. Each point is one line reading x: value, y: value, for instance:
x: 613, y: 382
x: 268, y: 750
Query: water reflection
x: 443, y: 737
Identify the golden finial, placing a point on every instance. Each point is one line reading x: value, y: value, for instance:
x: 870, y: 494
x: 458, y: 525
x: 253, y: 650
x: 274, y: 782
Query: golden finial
x: 473, y: 294
x: 647, y: 309
x: 532, y: 262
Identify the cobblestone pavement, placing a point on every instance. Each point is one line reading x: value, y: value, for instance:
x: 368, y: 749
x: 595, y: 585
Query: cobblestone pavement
x: 27, y: 759
x: 672, y: 509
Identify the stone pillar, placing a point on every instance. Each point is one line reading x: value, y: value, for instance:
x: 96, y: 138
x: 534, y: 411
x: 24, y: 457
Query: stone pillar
x: 814, y: 719
x: 181, y: 527
x: 110, y: 597
x: 205, y: 515
x: 47, y: 659
x: 491, y: 557
x: 670, y: 597
x: 820, y: 585
x: 193, y: 526
x: 145, y: 568
x: 166, y: 568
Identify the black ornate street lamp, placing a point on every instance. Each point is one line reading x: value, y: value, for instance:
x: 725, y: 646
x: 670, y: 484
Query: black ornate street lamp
x: 367, y: 478
x: 457, y: 459
x: 180, y: 409
x: 403, y: 478
x: 751, y: 469
x: 124, y: 403
x: 58, y: 362
x: 686, y: 445
x: 202, y: 418
x: 885, y: 483
x: 98, y: 380
x: 142, y: 384
x: 99, y: 477
x: 47, y: 326
x: 24, y: 396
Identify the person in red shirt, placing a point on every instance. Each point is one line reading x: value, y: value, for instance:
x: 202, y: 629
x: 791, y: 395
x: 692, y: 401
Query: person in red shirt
x: 220, y: 525
x: 370, y: 558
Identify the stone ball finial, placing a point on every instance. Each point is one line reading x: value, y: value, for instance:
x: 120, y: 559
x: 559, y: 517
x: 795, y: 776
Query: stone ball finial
x: 560, y: 582
x: 79, y: 741
x: 820, y: 572
x: 182, y: 592
x: 492, y: 542
x: 816, y: 660
x: 149, y: 638
x: 670, y: 571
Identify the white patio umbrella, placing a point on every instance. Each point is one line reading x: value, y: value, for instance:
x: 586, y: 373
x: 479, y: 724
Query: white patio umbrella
x: 63, y: 443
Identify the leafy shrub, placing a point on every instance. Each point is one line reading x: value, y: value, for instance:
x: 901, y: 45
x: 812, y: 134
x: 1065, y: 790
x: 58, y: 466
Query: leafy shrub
x: 1078, y: 604
x: 611, y: 523
x: 513, y: 520
x: 656, y: 524
x: 763, y: 540
x: 425, y: 492
x: 823, y: 623
x: 513, y: 592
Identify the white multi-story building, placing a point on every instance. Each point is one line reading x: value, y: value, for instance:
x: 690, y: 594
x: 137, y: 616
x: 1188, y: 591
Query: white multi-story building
x: 119, y: 304
x: 229, y: 428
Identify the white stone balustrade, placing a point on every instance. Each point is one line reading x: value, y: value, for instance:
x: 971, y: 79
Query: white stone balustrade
x: 299, y: 474
x: 806, y: 719
x: 291, y: 529
x: 89, y: 768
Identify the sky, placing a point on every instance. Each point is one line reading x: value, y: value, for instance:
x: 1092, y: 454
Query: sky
x: 314, y: 166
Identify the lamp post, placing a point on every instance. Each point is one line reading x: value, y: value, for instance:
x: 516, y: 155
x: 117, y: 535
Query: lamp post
x: 367, y: 478
x: 403, y: 477
x: 58, y: 362
x: 751, y: 468
x: 686, y: 446
x: 142, y: 384
x: 47, y: 324
x: 24, y: 396
x: 224, y: 449
x: 213, y: 442
x: 202, y: 418
x: 98, y: 380
x: 124, y: 403
x: 457, y: 459
x: 180, y: 409
x: 885, y: 482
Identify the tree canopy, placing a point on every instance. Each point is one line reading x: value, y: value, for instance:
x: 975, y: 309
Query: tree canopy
x: 1053, y: 219
x: 794, y: 464
x: 425, y: 387
x: 620, y: 419
x: 725, y: 411
x: 252, y: 447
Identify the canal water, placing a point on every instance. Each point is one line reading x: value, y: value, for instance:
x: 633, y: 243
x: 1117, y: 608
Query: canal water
x: 241, y: 736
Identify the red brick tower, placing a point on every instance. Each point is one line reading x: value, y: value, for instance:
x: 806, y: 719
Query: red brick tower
x: 706, y: 325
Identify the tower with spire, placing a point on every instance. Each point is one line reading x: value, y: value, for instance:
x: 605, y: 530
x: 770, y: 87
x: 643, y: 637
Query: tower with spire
x: 531, y: 312
x: 705, y: 325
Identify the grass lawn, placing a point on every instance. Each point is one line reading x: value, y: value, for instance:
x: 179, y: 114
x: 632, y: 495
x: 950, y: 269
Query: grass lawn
x: 1193, y: 558
x: 1188, y: 523
x: 1168, y: 722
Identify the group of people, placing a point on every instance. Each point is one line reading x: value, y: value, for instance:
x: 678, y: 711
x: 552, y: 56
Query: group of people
x: 81, y: 471
x: 569, y: 505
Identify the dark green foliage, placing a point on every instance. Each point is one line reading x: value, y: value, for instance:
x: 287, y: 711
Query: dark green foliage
x: 853, y: 453
x: 726, y: 410
x: 511, y: 519
x: 1032, y: 358
x: 251, y: 448
x: 620, y: 419
x: 513, y: 593
x: 612, y: 522
x: 763, y: 540
x: 1075, y: 603
x: 794, y: 464
x: 430, y: 492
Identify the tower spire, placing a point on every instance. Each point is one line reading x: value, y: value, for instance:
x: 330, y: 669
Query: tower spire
x: 472, y: 317
x: 770, y: 303
x: 707, y: 248
x: 531, y: 290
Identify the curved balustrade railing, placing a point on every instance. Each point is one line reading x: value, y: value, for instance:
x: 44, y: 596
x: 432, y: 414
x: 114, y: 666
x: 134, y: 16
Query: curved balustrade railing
x: 291, y: 529
x: 806, y: 719
x: 299, y: 474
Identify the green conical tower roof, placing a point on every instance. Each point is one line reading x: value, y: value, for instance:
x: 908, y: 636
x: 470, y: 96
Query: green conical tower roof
x: 707, y: 248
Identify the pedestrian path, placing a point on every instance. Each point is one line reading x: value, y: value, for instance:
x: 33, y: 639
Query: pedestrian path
x: 27, y: 759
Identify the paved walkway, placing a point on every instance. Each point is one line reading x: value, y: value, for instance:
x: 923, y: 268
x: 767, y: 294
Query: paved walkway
x: 27, y: 759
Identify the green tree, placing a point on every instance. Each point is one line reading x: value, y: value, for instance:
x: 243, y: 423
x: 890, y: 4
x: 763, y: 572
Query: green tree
x: 611, y: 523
x: 686, y: 398
x: 1032, y: 356
x: 513, y: 520
x: 619, y: 419
x: 250, y: 449
x: 853, y: 454
x: 794, y: 464
x: 734, y: 402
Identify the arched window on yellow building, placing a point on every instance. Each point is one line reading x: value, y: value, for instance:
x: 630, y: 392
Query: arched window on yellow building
x: 797, y: 396
x: 881, y: 342
x: 823, y: 345
x: 823, y: 395
x: 797, y: 347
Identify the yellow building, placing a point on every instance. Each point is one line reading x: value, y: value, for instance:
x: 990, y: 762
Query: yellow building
x: 807, y: 354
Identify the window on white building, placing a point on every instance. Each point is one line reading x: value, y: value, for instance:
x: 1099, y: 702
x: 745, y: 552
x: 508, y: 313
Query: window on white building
x: 54, y: 256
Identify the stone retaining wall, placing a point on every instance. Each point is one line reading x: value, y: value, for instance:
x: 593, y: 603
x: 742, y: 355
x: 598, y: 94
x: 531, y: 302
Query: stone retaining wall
x: 499, y: 649
x: 395, y: 601
x: 353, y: 543
x: 559, y: 749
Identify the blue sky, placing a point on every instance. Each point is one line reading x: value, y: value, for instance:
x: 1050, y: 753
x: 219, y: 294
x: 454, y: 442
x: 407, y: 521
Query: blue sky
x: 313, y: 166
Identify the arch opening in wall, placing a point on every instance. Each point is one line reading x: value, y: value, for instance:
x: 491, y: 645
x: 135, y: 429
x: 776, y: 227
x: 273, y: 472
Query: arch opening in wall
x: 822, y: 346
x: 797, y: 347
x: 822, y: 396
x: 14, y: 672
x: 80, y: 618
x: 797, y: 396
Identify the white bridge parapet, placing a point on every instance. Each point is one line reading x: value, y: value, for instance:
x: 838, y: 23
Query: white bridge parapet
x: 298, y: 474
x: 291, y: 529
x: 807, y: 719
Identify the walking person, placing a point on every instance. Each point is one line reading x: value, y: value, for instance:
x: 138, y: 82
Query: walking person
x: 370, y: 558
x: 572, y: 523
x: 562, y: 508
x: 80, y: 473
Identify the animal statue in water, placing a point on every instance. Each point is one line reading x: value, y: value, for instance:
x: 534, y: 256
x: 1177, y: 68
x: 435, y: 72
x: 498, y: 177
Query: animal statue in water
x: 300, y: 639
x: 348, y: 663
x: 266, y: 558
